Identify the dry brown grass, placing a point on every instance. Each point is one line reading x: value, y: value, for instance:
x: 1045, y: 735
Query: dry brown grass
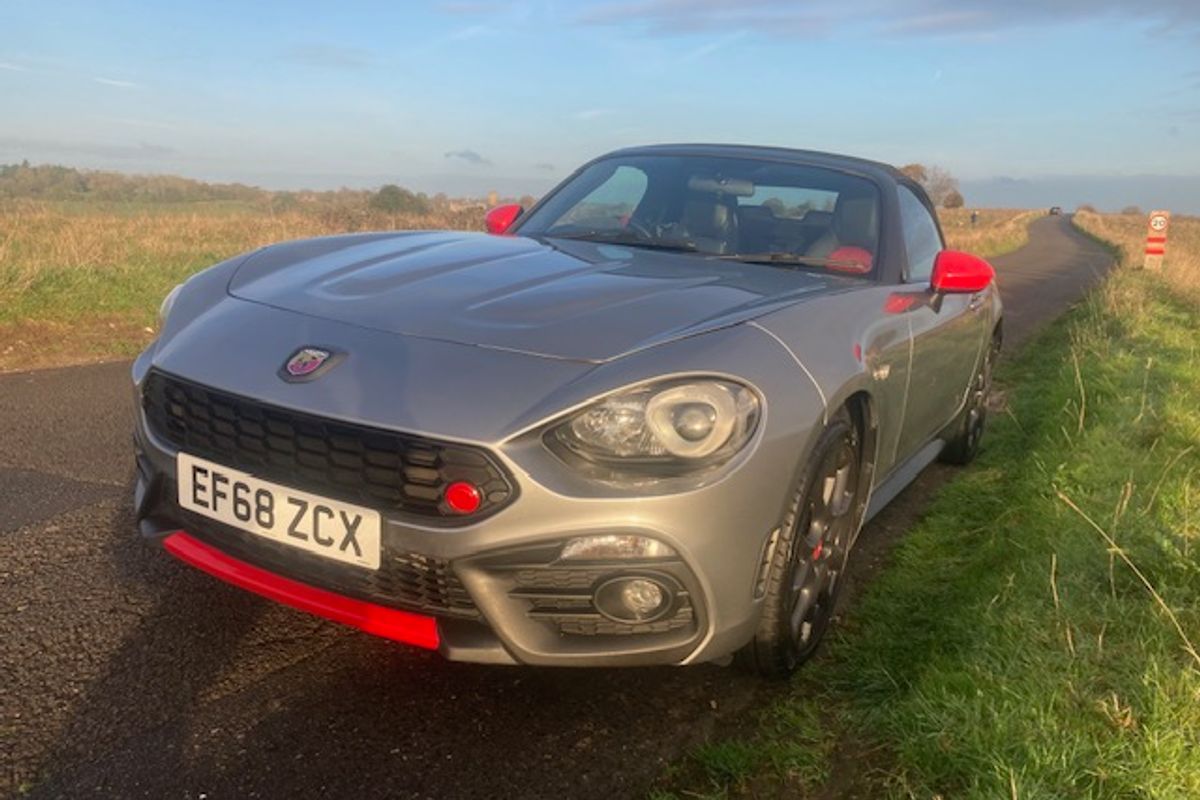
x: 998, y: 230
x: 37, y: 239
x: 1181, y: 267
x: 82, y: 282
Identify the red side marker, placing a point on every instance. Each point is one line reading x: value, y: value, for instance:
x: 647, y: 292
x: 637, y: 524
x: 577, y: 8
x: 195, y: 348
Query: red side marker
x: 389, y: 623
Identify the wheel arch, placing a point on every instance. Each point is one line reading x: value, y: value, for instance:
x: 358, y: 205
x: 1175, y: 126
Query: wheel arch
x: 863, y: 410
x: 863, y: 407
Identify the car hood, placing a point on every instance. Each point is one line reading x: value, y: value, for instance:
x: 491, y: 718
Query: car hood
x: 558, y: 299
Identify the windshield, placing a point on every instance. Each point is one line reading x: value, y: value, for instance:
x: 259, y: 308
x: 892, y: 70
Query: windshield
x: 735, y: 208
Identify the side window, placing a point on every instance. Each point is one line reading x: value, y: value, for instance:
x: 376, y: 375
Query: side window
x: 610, y: 203
x: 921, y: 238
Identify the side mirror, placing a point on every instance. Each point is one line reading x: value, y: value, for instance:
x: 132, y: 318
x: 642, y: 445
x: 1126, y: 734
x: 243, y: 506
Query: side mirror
x: 501, y: 218
x: 960, y: 273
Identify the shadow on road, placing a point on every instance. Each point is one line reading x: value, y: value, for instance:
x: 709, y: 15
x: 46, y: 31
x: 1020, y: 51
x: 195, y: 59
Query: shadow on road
x: 173, y: 711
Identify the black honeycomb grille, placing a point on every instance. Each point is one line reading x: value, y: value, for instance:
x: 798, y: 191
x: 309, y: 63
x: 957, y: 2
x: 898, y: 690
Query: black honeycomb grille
x: 368, y: 466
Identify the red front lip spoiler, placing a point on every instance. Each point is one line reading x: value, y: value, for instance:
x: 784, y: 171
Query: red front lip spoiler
x: 389, y: 623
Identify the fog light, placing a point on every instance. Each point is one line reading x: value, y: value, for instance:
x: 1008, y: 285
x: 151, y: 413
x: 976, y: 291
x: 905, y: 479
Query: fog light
x: 633, y: 599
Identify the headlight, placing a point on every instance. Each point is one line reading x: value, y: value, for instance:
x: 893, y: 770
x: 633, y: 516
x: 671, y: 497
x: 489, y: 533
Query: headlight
x: 683, y: 424
x: 164, y: 310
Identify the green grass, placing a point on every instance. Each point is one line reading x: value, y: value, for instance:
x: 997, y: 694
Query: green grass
x: 1007, y: 652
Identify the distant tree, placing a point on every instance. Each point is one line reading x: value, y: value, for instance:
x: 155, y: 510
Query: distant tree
x: 953, y: 200
x: 937, y: 182
x: 52, y: 182
x: 1086, y: 207
x: 1132, y: 210
x: 395, y: 199
x: 527, y: 200
x: 776, y: 205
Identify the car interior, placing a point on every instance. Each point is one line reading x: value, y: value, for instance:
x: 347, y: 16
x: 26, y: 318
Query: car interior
x: 727, y: 216
x: 730, y: 207
x: 716, y: 223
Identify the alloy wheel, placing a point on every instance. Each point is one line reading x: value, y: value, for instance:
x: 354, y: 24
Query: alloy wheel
x: 822, y: 541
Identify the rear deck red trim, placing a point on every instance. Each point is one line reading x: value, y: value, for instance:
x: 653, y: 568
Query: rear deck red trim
x: 389, y: 623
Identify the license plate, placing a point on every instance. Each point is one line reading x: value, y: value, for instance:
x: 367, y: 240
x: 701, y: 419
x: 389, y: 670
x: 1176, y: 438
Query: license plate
x: 329, y: 528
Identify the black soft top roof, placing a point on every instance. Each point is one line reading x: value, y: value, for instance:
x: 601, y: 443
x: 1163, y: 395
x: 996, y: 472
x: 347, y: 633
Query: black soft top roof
x: 807, y: 157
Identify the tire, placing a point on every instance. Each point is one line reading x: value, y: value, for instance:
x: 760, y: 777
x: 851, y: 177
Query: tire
x: 963, y: 444
x: 819, y: 526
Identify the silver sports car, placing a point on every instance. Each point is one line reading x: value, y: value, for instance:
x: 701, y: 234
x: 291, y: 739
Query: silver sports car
x: 641, y: 422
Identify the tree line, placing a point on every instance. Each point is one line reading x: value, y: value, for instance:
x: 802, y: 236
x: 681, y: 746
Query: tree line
x: 54, y: 182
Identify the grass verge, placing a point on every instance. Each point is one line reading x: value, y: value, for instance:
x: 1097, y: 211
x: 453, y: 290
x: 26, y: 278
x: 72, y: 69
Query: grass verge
x: 995, y: 232
x: 1036, y: 634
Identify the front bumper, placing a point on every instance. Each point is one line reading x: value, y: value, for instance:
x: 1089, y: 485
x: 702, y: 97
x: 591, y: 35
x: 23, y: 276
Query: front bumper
x: 503, y: 604
x: 496, y: 587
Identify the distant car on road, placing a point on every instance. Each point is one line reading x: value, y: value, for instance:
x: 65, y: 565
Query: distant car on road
x: 643, y: 423
x: 1055, y: 210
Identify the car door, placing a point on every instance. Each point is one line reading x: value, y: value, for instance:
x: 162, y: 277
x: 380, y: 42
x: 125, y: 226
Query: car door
x: 947, y: 333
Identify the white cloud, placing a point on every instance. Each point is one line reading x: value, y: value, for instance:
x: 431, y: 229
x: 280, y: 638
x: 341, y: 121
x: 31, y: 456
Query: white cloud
x: 922, y: 18
x: 592, y: 113
x: 327, y: 55
x: 116, y: 83
x: 459, y: 35
x: 13, y: 67
x: 708, y: 48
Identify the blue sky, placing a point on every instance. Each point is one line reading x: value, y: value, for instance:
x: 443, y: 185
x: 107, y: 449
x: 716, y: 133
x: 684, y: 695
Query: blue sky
x: 463, y: 96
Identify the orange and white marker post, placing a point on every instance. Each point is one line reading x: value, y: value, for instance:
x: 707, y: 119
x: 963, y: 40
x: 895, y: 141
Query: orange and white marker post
x: 1156, y: 239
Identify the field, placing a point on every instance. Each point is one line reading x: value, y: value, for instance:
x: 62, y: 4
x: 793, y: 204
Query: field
x: 997, y: 230
x: 1036, y: 634
x: 81, y: 281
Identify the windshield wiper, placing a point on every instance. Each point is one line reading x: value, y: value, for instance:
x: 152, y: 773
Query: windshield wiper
x: 785, y: 259
x: 624, y: 237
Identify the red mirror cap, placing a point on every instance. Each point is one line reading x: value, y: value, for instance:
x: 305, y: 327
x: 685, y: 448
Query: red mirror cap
x: 501, y: 218
x: 956, y: 272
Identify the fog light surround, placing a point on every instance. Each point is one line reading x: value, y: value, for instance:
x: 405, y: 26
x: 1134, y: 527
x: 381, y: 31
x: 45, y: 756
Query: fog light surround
x: 634, y: 599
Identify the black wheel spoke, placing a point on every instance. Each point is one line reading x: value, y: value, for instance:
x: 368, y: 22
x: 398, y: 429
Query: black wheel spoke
x: 822, y: 534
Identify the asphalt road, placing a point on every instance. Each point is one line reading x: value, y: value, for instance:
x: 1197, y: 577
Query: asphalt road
x: 127, y: 674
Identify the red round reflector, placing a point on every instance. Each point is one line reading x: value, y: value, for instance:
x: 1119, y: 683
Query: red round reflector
x: 462, y: 497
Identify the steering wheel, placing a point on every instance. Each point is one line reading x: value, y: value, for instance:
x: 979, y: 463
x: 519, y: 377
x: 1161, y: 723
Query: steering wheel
x: 638, y: 228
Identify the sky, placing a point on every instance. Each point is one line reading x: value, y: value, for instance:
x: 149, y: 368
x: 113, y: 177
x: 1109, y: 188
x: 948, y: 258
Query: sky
x: 1028, y: 102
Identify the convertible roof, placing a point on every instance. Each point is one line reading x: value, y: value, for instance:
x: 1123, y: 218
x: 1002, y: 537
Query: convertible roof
x: 787, y: 154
